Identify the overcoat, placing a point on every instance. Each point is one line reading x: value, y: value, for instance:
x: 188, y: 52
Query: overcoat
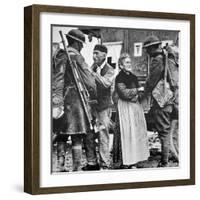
x: 75, y: 118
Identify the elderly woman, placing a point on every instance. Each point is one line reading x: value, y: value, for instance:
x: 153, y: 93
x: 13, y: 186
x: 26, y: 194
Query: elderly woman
x: 130, y: 140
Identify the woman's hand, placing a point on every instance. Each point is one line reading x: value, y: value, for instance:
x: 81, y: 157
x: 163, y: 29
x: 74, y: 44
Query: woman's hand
x: 140, y: 93
x: 141, y: 89
x: 134, y: 99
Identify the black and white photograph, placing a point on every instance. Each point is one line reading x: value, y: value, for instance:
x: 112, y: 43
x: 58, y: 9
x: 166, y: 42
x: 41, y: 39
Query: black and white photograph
x: 114, y: 99
x: 111, y: 96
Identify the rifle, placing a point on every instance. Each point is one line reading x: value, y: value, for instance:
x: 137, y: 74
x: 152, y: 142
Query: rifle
x: 81, y: 88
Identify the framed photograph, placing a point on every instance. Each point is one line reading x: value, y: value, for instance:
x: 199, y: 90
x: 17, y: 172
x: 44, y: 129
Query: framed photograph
x: 109, y: 99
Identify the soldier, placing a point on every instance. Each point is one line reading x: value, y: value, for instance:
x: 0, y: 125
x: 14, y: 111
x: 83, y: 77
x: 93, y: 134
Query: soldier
x: 173, y: 62
x: 58, y: 69
x: 75, y: 119
x: 162, y: 115
x: 104, y: 77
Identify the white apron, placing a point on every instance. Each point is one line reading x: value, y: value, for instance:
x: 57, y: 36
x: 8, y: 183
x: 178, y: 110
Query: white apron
x: 134, y: 141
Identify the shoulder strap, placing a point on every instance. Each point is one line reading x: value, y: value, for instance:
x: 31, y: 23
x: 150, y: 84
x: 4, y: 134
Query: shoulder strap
x: 165, y: 68
x: 166, y: 65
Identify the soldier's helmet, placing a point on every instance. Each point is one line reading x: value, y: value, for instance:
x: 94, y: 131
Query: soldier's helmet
x: 150, y: 41
x: 77, y: 35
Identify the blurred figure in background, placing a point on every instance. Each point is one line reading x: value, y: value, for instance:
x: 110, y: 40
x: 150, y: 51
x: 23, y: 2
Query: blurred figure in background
x: 173, y: 63
x: 59, y: 125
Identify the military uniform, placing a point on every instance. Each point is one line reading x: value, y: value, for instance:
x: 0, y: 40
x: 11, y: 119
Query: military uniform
x: 75, y: 121
x: 162, y: 116
x: 59, y: 122
x: 75, y: 116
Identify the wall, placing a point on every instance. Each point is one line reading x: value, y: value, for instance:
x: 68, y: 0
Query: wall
x: 131, y: 36
x: 11, y: 101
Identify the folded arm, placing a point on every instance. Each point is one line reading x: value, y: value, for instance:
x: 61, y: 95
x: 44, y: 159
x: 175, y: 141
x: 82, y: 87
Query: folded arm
x: 125, y: 93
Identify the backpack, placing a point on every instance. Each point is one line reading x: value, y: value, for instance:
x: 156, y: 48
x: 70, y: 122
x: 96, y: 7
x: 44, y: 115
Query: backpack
x: 166, y: 91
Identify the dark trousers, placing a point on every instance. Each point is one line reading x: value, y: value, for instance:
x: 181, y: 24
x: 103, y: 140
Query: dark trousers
x: 162, y: 117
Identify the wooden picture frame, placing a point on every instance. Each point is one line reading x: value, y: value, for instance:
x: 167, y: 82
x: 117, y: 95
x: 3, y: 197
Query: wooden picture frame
x: 32, y: 106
